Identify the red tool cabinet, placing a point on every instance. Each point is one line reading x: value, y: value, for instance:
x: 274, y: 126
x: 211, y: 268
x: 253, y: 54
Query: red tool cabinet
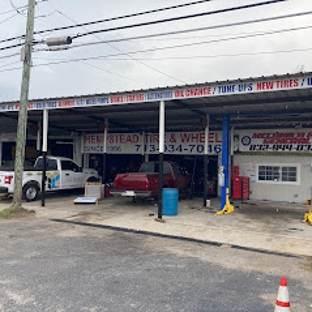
x: 240, y: 187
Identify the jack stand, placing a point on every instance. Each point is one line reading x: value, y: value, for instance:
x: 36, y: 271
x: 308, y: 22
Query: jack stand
x: 228, y: 208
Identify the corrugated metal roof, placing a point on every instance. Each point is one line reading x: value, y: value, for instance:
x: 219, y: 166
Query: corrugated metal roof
x: 255, y: 110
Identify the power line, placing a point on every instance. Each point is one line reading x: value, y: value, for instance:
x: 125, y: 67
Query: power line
x: 168, y: 58
x: 109, y: 19
x: 13, y: 10
x: 148, y: 23
x: 85, y: 63
x: 10, y: 69
x: 91, y: 65
x: 125, y: 53
x: 12, y: 63
x: 189, y: 44
x: 21, y: 8
x: 219, y: 55
x: 5, y: 20
x: 180, y: 57
x: 191, y: 30
x: 6, y: 12
x: 108, y: 71
x: 11, y: 46
x: 8, y: 56
x: 128, y: 16
x: 174, y: 19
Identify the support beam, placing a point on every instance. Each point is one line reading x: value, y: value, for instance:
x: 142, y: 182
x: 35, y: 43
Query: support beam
x: 206, y: 160
x: 38, y: 142
x: 44, y: 153
x: 161, y: 156
x: 225, y: 157
x: 104, y: 150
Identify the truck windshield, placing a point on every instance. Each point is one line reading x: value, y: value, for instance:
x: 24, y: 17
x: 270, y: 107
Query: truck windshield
x: 153, y: 167
x: 148, y: 167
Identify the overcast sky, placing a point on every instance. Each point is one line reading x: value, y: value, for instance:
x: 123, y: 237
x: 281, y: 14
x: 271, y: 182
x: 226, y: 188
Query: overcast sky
x: 203, y: 56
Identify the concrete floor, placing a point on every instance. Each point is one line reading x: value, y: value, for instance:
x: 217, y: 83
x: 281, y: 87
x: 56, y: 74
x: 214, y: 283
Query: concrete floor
x: 262, y: 225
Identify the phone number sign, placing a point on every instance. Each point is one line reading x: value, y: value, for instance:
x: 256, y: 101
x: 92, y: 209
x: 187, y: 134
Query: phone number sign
x: 281, y: 141
x: 179, y: 143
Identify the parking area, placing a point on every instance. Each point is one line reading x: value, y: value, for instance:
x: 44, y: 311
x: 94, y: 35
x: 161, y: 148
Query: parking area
x: 261, y: 225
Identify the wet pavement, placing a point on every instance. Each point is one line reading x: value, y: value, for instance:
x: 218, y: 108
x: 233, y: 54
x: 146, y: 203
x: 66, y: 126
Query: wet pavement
x: 274, y: 227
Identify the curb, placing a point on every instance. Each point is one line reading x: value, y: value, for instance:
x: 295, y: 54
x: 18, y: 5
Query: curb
x: 182, y: 238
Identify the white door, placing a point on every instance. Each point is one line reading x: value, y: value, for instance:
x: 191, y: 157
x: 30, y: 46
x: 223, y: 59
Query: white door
x: 71, y: 175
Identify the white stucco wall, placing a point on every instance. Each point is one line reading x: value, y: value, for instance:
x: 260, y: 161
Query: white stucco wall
x: 274, y: 190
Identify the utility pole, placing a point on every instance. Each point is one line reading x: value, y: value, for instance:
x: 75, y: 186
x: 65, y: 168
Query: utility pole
x: 22, y: 114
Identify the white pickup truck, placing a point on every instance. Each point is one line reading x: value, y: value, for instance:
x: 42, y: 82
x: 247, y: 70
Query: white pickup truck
x: 61, y: 174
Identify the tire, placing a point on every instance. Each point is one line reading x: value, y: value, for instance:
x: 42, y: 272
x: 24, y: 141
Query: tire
x: 31, y: 191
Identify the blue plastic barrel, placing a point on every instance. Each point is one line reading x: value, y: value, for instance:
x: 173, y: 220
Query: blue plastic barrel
x: 170, y: 201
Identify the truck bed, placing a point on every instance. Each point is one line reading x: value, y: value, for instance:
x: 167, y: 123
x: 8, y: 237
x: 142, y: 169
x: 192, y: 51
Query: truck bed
x: 137, y: 184
x: 134, y: 181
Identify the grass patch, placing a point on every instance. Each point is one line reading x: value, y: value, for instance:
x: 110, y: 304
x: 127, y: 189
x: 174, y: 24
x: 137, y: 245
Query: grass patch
x: 307, y: 265
x: 16, y: 213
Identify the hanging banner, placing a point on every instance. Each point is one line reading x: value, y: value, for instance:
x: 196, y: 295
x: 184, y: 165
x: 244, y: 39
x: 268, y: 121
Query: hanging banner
x: 198, y: 91
x: 274, y: 141
x: 176, y: 143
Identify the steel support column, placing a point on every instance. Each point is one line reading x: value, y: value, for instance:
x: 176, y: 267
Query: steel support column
x: 206, y: 160
x: 161, y: 156
x: 225, y: 157
x: 44, y: 153
x: 104, y: 151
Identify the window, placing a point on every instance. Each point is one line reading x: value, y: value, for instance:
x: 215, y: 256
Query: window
x: 176, y: 169
x: 50, y: 164
x: 277, y: 173
x: 269, y: 173
x: 289, y: 174
x: 69, y: 165
x: 167, y: 168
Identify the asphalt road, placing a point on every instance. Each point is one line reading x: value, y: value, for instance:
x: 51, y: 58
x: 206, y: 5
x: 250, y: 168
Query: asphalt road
x: 52, y: 266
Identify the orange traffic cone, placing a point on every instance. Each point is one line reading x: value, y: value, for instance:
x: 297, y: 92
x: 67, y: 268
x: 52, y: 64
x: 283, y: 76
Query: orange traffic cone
x: 282, y: 302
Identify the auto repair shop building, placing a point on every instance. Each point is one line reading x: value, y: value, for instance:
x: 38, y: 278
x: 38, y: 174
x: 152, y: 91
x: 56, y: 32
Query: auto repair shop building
x: 270, y: 121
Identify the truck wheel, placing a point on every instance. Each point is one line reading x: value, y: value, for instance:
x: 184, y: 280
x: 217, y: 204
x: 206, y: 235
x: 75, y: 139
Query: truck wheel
x: 30, y: 191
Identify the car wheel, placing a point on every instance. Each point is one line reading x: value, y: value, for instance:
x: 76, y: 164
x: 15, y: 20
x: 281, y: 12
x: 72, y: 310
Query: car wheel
x: 30, y: 191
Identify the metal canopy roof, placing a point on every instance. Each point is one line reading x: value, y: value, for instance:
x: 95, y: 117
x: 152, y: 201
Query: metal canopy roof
x: 273, y: 109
